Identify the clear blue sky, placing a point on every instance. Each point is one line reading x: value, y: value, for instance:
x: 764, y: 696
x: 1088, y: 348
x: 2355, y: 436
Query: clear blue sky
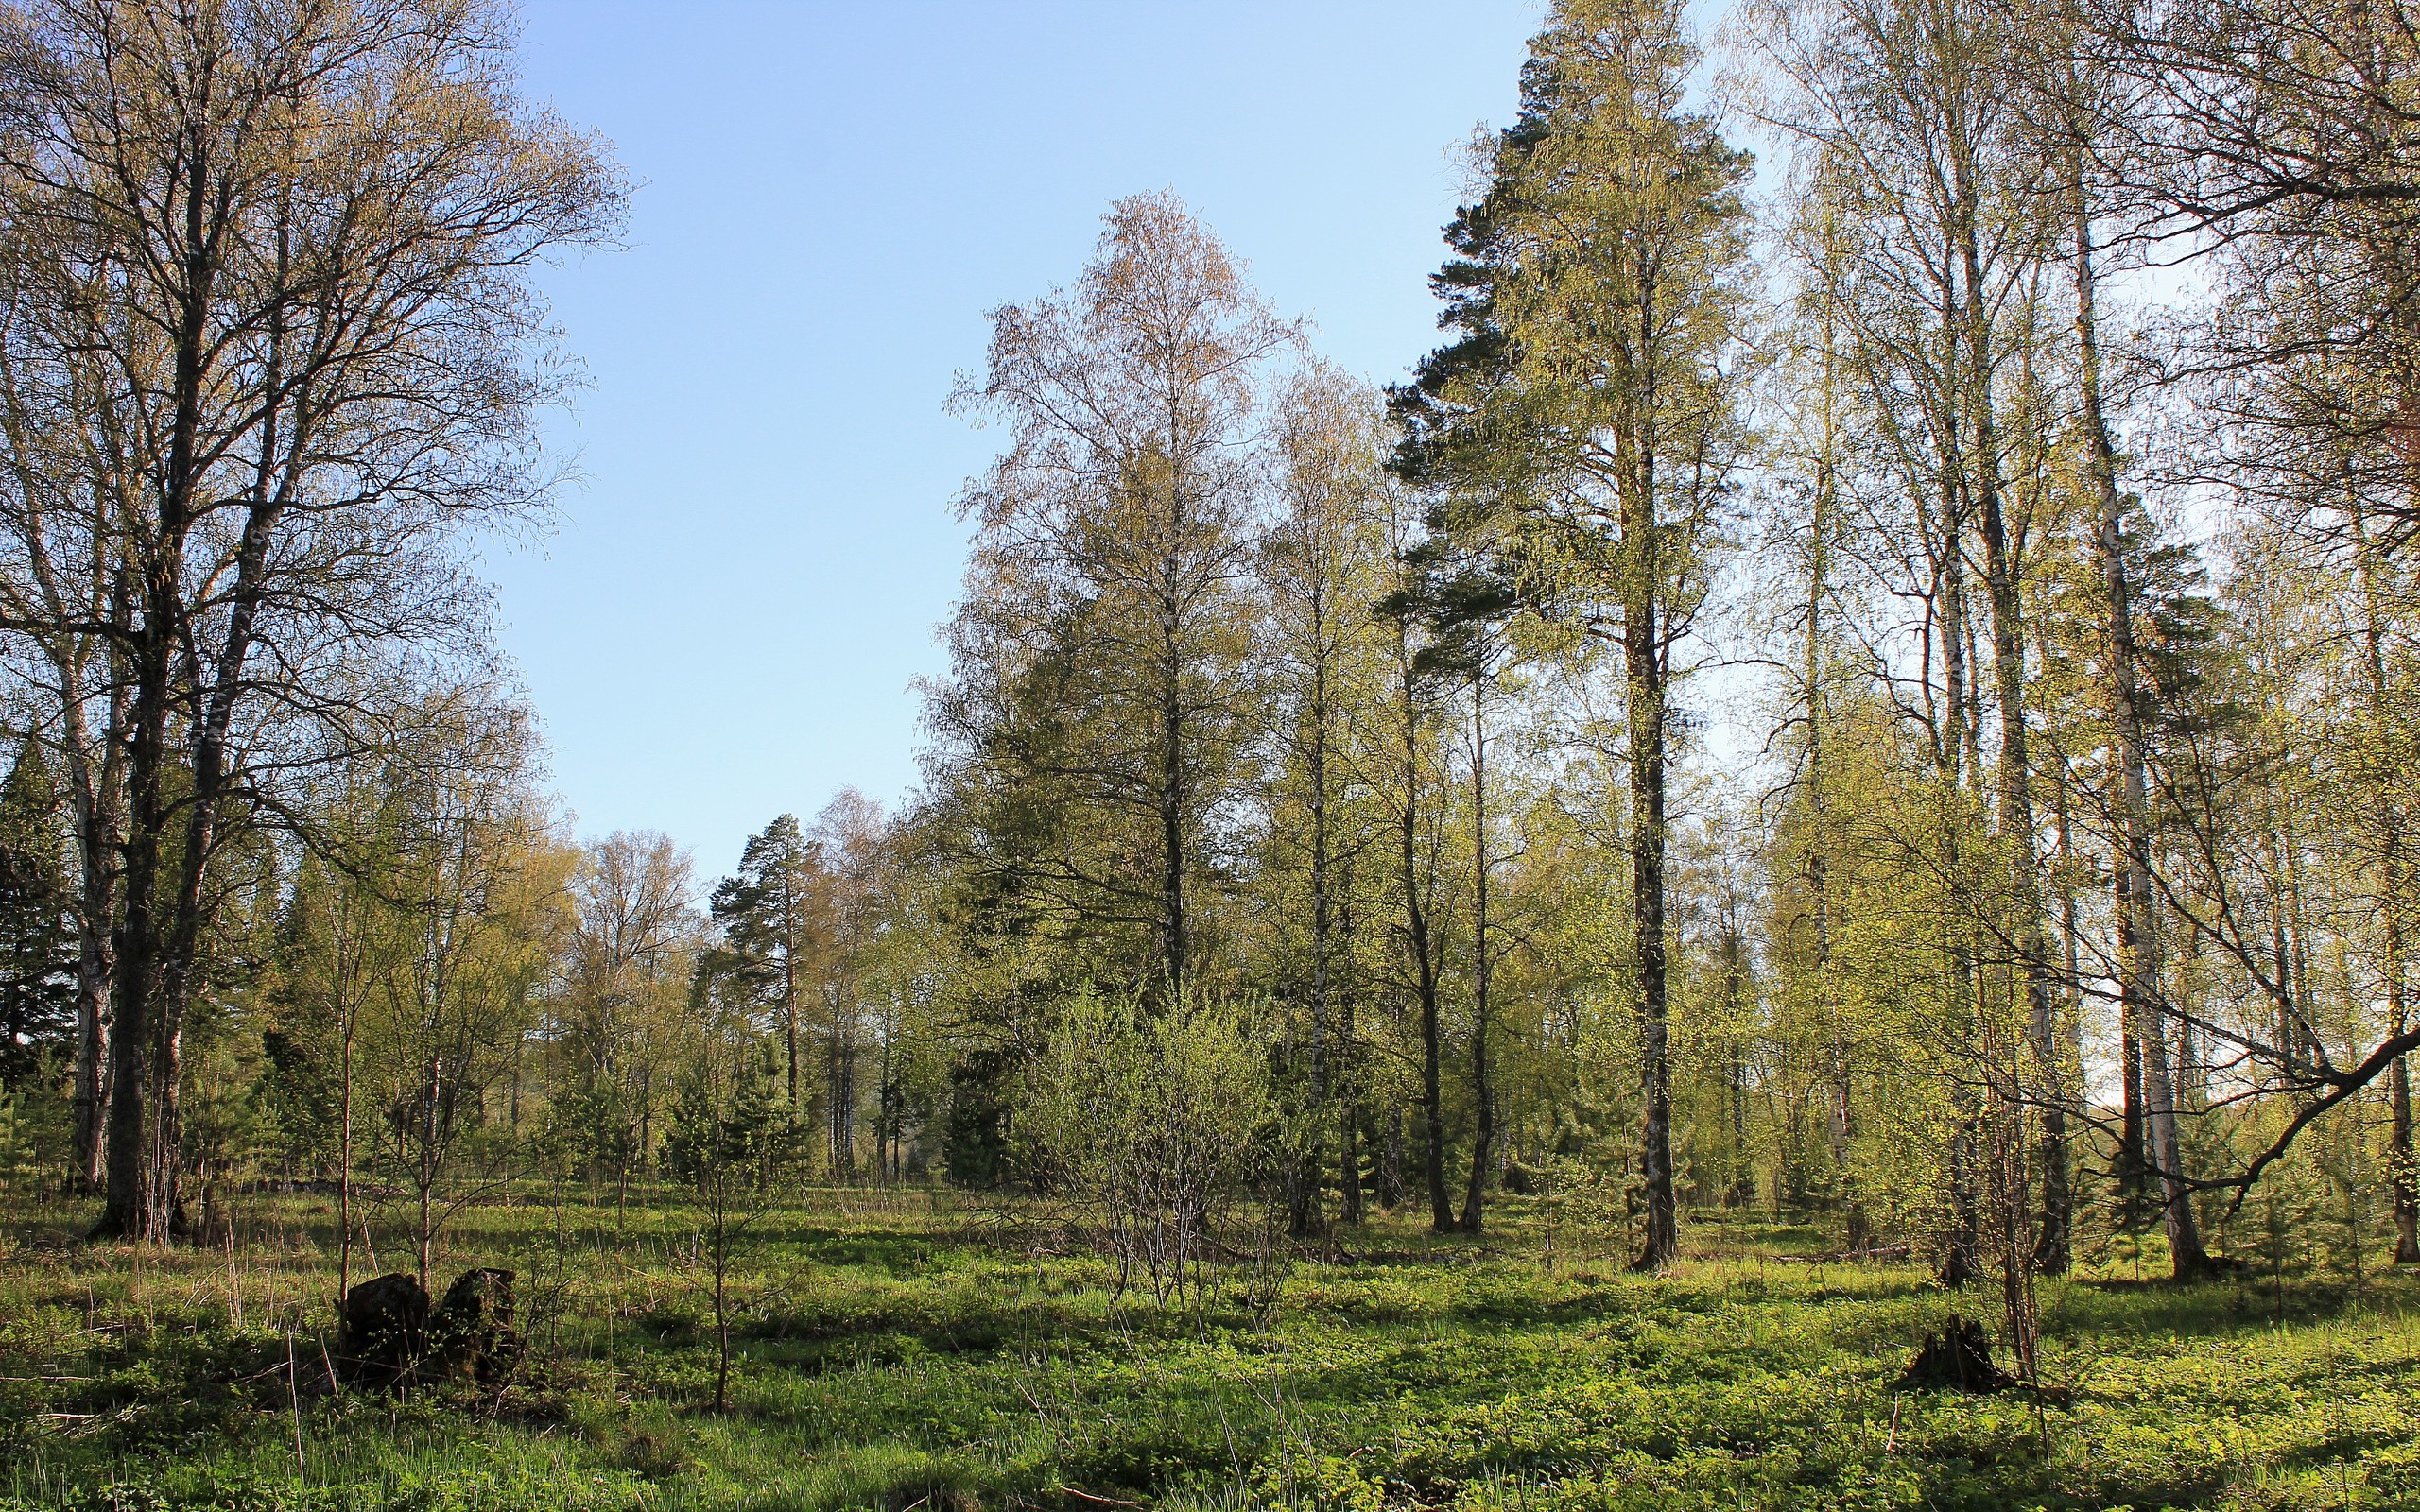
x: 727, y: 621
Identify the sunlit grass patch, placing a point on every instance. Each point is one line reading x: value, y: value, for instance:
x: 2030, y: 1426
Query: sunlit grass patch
x: 902, y: 1358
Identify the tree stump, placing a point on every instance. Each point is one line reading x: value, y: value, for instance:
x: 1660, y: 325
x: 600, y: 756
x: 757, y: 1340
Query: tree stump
x: 385, y: 1329
x: 1959, y: 1358
x: 471, y: 1335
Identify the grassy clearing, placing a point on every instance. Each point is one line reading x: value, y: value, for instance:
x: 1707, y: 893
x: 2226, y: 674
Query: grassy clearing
x: 913, y: 1355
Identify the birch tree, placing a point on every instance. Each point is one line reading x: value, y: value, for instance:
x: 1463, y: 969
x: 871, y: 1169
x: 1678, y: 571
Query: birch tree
x: 1100, y: 699
x: 300, y: 236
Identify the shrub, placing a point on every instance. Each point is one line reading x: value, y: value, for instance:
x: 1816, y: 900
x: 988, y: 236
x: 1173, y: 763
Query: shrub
x: 1150, y: 1121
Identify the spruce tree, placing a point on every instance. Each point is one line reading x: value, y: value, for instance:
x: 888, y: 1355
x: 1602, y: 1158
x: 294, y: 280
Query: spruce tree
x: 37, y: 928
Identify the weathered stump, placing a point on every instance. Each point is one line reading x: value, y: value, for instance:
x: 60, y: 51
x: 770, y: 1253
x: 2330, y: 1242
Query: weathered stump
x: 385, y: 1329
x: 1959, y: 1358
x: 471, y: 1335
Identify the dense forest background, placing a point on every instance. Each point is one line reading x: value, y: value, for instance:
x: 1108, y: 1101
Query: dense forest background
x: 1877, y: 686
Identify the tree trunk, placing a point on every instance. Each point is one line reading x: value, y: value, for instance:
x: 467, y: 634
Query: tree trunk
x: 1306, y: 1217
x: 2138, y: 939
x: 1351, y: 1200
x: 1841, y: 1120
x: 1424, y: 956
x: 842, y: 1069
x: 1482, y: 1089
x: 1644, y: 658
x: 1172, y: 794
x: 2406, y: 1206
x: 128, y: 1206
x: 158, y: 947
x: 96, y: 901
x: 2392, y: 884
x: 1390, y: 1160
x: 2002, y: 549
x: 344, y: 1160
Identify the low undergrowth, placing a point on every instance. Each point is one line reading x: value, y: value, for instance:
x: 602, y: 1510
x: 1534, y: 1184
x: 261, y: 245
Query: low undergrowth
x: 904, y: 1356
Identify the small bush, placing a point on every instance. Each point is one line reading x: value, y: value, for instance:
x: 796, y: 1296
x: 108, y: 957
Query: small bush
x: 1149, y: 1121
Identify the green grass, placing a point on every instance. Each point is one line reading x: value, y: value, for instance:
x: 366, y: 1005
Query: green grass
x: 913, y: 1353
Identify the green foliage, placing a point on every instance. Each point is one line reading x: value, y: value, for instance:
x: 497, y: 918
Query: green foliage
x: 903, y: 1359
x: 38, y: 948
x: 20, y: 1167
x: 1149, y: 1120
x: 727, y: 1118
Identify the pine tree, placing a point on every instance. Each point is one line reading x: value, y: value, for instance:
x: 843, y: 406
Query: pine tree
x: 769, y: 914
x: 1589, y: 411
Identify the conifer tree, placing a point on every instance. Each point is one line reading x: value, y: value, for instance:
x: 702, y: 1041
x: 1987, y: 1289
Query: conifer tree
x: 768, y: 913
x: 38, y: 947
x: 1590, y: 408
